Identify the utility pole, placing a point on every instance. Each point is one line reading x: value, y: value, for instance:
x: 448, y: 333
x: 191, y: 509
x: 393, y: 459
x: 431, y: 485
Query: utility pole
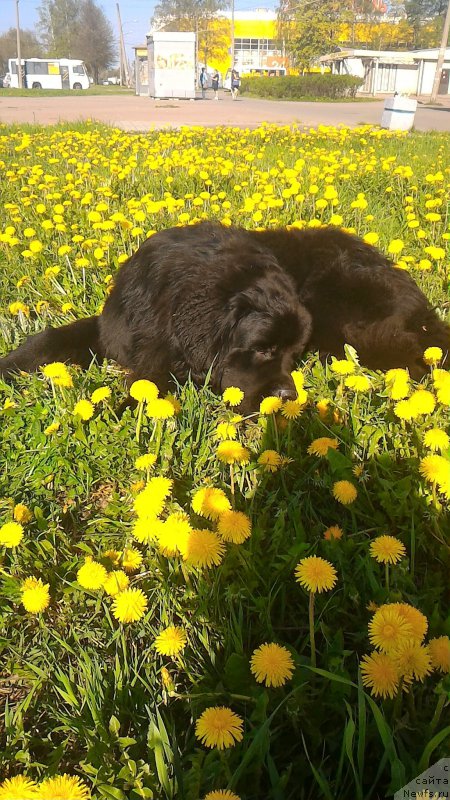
x: 232, y: 34
x: 123, y: 61
x: 19, y: 57
x: 441, y: 56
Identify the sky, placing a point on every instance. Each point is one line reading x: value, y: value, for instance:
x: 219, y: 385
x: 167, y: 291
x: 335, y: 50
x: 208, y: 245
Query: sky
x: 136, y: 15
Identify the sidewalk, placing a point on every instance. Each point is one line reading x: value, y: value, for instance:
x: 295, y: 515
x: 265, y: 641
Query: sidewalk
x: 143, y: 114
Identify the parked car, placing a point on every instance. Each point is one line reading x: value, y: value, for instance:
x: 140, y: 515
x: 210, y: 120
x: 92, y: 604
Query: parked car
x: 5, y: 81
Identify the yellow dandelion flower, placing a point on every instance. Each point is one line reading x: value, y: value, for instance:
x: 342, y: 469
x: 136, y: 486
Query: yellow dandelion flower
x: 55, y: 426
x: 91, y: 575
x: 143, y: 391
x: 174, y: 534
x: 221, y: 794
x: 226, y: 430
x: 387, y: 550
x: 395, y: 247
x: 131, y: 559
x: 342, y: 367
x: 129, y: 605
x: 175, y: 402
x: 116, y: 582
x: 272, y: 664
x: 412, y: 660
x: 22, y: 514
x: 270, y: 405
x: 291, y: 409
x: 315, y: 574
x: 58, y: 373
x: 432, y: 355
x: 397, y: 374
x: 323, y: 409
x: 230, y: 452
x: 11, y: 534
x: 146, y: 461
x: 147, y: 529
x: 270, y: 460
x: 150, y: 502
x: 319, y: 447
x: 436, y: 439
x: 398, y: 389
x: 417, y: 620
x: 210, y: 502
x: 441, y: 378
x: 19, y: 788
x: 388, y: 627
x: 233, y: 396
x: 170, y: 641
x: 204, y: 549
x: 35, y: 595
x: 439, y: 650
x: 435, y: 469
x: 443, y: 395
x: 344, y: 492
x: 405, y: 410
x: 299, y: 380
x: 422, y: 401
x: 359, y: 383
x: 84, y: 409
x: 380, y: 674
x: 160, y: 408
x: 234, y: 526
x: 219, y: 727
x: 64, y: 787
x: 100, y: 394
x: 335, y: 532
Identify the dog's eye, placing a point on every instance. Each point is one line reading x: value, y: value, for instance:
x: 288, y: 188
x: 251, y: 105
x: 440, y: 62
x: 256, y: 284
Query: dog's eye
x: 268, y: 352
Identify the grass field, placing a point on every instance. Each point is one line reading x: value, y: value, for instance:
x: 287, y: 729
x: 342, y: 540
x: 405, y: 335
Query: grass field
x: 147, y: 559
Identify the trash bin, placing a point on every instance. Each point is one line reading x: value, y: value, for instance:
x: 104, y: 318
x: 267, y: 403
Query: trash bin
x: 398, y: 114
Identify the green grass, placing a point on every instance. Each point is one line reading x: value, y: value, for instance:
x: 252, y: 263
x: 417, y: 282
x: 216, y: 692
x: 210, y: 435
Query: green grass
x: 82, y: 693
x: 93, y: 90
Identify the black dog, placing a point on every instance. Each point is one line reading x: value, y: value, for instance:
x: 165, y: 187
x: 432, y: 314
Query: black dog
x: 246, y: 304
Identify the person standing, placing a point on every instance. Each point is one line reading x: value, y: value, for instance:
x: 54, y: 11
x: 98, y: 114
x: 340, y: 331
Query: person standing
x: 203, y: 82
x: 235, y: 83
x: 215, y: 84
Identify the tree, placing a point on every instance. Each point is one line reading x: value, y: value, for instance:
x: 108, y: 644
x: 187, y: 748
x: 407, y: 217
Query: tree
x: 427, y: 19
x: 201, y: 16
x: 95, y: 35
x: 30, y: 47
x: 78, y: 29
x: 311, y: 29
x: 57, y: 21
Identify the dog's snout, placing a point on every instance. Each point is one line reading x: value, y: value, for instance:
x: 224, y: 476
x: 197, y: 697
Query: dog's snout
x: 285, y: 393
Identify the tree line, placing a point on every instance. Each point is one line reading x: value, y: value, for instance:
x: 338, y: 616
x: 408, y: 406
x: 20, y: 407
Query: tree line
x: 66, y: 29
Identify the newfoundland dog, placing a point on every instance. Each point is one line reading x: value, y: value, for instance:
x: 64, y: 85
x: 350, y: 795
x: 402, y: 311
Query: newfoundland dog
x: 245, y: 305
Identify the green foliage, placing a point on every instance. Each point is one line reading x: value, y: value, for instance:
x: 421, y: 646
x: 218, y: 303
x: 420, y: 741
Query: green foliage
x: 299, y: 87
x: 77, y: 29
x: 30, y: 47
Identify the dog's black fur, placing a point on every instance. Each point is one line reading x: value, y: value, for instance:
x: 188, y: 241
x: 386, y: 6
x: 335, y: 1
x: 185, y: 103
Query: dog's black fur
x: 247, y: 304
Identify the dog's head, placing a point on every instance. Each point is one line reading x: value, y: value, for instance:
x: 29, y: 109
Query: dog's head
x: 267, y: 330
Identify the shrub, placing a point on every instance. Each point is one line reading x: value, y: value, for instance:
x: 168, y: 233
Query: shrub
x: 297, y: 87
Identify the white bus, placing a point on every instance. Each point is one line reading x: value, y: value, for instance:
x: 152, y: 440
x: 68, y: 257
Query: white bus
x: 49, y: 73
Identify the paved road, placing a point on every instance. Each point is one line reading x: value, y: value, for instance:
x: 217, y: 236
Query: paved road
x: 143, y: 114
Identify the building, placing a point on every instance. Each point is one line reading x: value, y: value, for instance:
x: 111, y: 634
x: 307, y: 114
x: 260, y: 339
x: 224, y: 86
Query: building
x: 386, y: 72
